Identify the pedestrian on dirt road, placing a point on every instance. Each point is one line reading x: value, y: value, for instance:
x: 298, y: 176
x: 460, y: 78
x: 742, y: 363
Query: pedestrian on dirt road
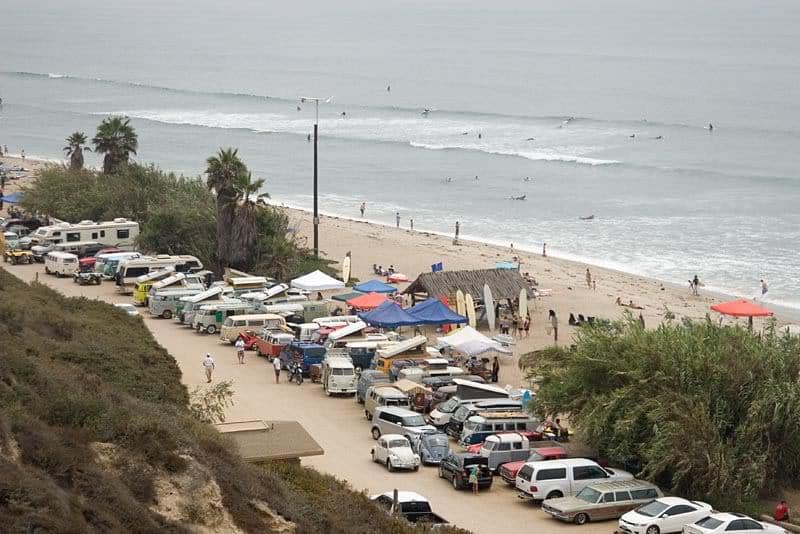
x: 208, y: 364
x: 276, y: 364
x: 240, y: 349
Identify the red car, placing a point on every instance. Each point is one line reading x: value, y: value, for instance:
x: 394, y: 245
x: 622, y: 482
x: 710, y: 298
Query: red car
x: 509, y: 471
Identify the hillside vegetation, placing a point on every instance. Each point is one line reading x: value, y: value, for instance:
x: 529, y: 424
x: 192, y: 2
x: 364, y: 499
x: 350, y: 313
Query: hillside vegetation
x: 96, y: 436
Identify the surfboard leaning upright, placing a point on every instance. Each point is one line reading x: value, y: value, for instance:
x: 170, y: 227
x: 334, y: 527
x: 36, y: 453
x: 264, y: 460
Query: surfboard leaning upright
x: 346, y: 269
x: 470, y: 305
x: 488, y: 301
x: 461, y: 305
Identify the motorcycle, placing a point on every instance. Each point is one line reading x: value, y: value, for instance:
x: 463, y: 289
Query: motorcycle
x: 296, y: 374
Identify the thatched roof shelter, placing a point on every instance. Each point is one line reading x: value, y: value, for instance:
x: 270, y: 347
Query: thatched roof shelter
x: 504, y: 283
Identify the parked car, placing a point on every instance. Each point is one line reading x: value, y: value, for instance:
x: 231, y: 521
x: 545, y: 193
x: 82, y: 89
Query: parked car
x: 540, y: 454
x: 369, y: 377
x: 606, y: 500
x: 395, y: 420
x: 432, y: 447
x: 130, y: 309
x: 663, y: 515
x: 395, y: 452
x: 562, y: 478
x: 380, y: 395
x: 503, y: 448
x: 271, y: 342
x: 733, y: 523
x: 456, y: 466
x: 411, y: 506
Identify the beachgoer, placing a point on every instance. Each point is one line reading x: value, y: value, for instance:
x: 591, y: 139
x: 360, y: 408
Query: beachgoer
x: 476, y: 177
x: 276, y: 365
x: 544, y: 250
x: 411, y: 222
x: 458, y: 228
x: 208, y: 365
x: 572, y: 321
x: 298, y: 108
x: 495, y: 369
x: 554, y: 325
x: 397, y: 218
x: 1, y: 198
x: 240, y: 349
x: 473, y: 479
x: 641, y: 320
x: 695, y: 283
x: 515, y: 324
x: 388, y: 88
x: 497, y: 310
x: 781, y: 512
x: 319, y: 295
x: 588, y: 278
x: 23, y: 154
x: 764, y: 287
x: 710, y: 127
x: 526, y: 326
x: 309, y: 137
x: 594, y: 285
x: 363, y: 207
x: 344, y: 114
x: 391, y: 269
x: 480, y: 136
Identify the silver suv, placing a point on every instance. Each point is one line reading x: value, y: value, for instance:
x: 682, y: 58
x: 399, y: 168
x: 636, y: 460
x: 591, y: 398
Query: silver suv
x: 393, y: 420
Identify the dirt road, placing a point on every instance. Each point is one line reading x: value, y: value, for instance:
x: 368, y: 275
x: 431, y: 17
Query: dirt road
x: 338, y: 424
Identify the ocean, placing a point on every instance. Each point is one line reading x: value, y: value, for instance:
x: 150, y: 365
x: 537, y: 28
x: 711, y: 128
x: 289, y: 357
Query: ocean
x: 584, y: 108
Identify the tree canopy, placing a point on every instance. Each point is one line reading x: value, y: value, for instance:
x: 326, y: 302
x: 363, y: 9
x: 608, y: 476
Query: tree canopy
x: 709, y: 411
x: 116, y: 140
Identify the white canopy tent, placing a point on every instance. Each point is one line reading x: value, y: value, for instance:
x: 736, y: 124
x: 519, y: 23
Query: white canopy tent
x: 471, y: 342
x: 317, y: 281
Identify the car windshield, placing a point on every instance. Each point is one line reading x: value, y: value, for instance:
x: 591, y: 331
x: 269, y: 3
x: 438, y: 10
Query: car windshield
x: 471, y: 426
x: 709, y: 523
x: 448, y: 406
x: 398, y: 443
x: 413, y: 420
x: 652, y: 509
x: 461, y: 413
x: 589, y: 495
x: 436, y: 441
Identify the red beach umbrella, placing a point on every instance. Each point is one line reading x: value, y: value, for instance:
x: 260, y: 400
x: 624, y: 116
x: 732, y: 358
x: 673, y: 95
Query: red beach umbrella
x: 369, y: 301
x: 741, y: 308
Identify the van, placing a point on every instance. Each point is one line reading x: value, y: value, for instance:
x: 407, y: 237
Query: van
x: 409, y: 349
x: 395, y: 420
x: 504, y: 448
x: 562, y: 478
x: 366, y: 379
x: 209, y: 318
x: 478, y: 427
x: 307, y: 354
x: 61, y: 263
x: 82, y: 249
x: 305, y: 331
x: 338, y: 376
x: 467, y: 410
x: 380, y: 395
x: 430, y: 367
x: 107, y: 264
x: 165, y: 303
x: 141, y: 289
x: 237, y: 324
x: 190, y: 304
x: 466, y: 392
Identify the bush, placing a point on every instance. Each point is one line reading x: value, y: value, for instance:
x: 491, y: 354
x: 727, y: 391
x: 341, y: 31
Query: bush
x: 712, y: 412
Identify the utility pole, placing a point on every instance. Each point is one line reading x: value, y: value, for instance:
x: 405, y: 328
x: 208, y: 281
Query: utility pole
x: 316, y: 194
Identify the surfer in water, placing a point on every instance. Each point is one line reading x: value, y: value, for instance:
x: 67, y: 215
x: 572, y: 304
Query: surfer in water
x: 710, y: 127
x: 520, y: 197
x: 531, y: 139
x: 388, y: 88
x: 527, y: 179
x: 344, y: 114
x: 425, y: 112
x: 659, y: 137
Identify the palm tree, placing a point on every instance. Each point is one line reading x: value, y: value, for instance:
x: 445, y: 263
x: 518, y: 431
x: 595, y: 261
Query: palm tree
x: 117, y: 139
x: 224, y: 171
x: 74, y: 150
x: 246, y: 186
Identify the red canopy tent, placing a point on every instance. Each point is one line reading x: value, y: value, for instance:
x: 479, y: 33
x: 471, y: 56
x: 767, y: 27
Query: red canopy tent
x: 741, y: 308
x: 369, y: 301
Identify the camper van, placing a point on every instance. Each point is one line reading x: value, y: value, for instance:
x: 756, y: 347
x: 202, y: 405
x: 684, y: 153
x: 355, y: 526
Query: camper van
x: 248, y: 284
x: 129, y: 271
x: 384, y: 395
x: 209, y: 318
x: 466, y: 392
x: 106, y: 264
x: 120, y: 233
x: 165, y: 302
x: 307, y: 354
x: 237, y: 324
x: 82, y: 249
x: 141, y: 290
x: 430, y: 367
x: 410, y: 349
x: 189, y: 304
x: 60, y: 263
x: 338, y: 376
x: 478, y: 427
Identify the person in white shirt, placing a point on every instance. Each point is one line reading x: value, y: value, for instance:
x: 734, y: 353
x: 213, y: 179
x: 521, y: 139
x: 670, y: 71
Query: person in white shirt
x: 276, y: 364
x: 208, y: 364
x: 240, y: 349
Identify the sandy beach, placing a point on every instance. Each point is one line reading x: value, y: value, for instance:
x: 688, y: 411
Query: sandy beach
x: 15, y: 180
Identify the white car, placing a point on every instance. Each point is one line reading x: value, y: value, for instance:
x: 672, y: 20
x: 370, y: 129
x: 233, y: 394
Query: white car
x: 664, y: 515
x: 395, y: 452
x: 130, y: 309
x: 733, y: 523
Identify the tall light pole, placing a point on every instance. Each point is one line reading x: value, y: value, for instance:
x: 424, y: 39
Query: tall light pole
x: 316, y: 127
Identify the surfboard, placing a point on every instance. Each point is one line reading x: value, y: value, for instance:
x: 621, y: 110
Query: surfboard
x: 470, y: 305
x: 346, y: 269
x: 523, y: 303
x: 488, y: 301
x: 461, y: 307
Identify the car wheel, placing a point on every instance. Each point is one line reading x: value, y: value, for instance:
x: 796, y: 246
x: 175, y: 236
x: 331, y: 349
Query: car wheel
x: 389, y: 466
x: 416, y: 468
x: 653, y: 529
x: 211, y: 329
x: 374, y: 458
x: 46, y: 270
x: 556, y: 495
x: 376, y: 433
x: 167, y: 314
x: 456, y: 485
x: 441, y: 472
x: 581, y: 519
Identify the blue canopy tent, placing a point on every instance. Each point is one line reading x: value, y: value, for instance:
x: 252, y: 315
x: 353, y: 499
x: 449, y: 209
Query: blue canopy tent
x: 13, y: 198
x: 388, y: 315
x: 374, y: 286
x: 433, y: 311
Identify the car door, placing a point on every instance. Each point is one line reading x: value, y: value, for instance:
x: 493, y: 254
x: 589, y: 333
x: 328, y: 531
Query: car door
x: 745, y: 526
x: 584, y: 475
x: 380, y: 450
x: 623, y: 502
x: 675, y: 517
x: 605, y: 508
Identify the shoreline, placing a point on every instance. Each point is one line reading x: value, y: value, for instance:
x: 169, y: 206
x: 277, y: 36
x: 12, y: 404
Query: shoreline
x: 784, y: 314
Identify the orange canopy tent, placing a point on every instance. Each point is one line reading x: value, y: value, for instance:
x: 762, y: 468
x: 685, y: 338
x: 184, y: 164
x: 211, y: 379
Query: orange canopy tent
x: 741, y: 308
x: 370, y: 301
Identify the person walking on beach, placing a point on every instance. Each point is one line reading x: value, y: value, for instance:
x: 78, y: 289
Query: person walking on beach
x: 458, y: 229
x: 526, y: 326
x: 764, y: 287
x: 363, y: 207
x: 495, y: 369
x: 695, y: 283
x: 411, y: 224
x: 515, y: 325
x: 240, y: 350
x: 554, y: 325
x: 473, y: 479
x: 276, y: 365
x: 544, y: 250
x: 397, y: 218
x: 208, y: 365
x: 23, y: 154
x: 588, y: 278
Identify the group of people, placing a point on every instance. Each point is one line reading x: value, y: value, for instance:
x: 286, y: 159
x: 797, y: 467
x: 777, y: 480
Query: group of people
x: 515, y: 325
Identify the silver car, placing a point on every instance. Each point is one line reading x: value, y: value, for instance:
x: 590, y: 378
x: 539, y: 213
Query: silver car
x: 395, y: 420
